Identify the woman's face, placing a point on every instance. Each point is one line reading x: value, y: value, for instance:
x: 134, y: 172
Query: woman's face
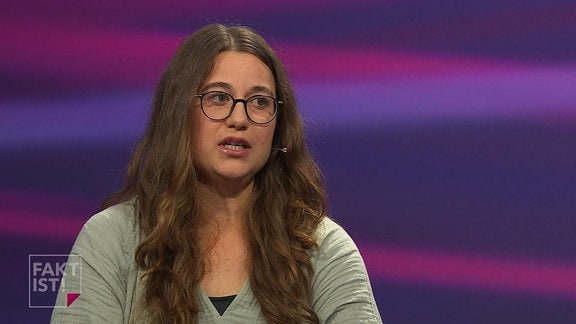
x: 234, y: 149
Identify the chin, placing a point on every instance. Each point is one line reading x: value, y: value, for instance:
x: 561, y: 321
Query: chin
x: 237, y: 176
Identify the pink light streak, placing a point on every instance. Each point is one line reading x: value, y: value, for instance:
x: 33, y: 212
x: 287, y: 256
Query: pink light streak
x: 34, y: 225
x: 38, y: 215
x: 85, y: 54
x: 466, y: 271
x: 322, y: 62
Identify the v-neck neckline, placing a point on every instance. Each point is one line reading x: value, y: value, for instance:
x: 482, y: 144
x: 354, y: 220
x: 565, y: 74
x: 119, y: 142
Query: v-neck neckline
x: 212, y: 309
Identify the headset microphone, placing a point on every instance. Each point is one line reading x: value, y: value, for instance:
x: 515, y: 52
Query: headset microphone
x: 283, y: 149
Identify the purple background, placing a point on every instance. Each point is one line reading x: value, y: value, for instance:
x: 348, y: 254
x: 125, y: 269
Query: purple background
x: 446, y: 130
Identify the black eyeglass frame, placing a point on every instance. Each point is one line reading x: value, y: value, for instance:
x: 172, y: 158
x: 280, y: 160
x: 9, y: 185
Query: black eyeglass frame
x: 277, y: 104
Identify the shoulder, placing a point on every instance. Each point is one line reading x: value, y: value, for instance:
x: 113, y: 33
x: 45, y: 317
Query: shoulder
x: 330, y: 235
x: 113, y: 230
x: 106, y: 246
x: 335, y: 249
x: 115, y: 219
x: 341, y: 288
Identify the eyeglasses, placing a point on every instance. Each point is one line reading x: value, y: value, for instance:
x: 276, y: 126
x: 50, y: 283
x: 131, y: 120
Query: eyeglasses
x: 218, y: 105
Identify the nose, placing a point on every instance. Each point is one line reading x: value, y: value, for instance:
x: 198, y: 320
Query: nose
x: 239, y: 117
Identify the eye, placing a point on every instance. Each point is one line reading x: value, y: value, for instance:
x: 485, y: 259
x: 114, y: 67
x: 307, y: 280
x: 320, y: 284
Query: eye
x: 217, y: 98
x: 261, y: 102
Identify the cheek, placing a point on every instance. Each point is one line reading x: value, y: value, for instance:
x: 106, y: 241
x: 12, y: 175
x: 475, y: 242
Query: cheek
x: 268, y: 135
x: 200, y: 133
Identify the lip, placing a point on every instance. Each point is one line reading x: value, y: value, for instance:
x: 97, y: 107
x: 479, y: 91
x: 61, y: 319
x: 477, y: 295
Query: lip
x: 234, y: 152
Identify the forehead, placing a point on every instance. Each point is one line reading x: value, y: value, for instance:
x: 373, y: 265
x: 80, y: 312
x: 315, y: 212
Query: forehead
x: 240, y: 70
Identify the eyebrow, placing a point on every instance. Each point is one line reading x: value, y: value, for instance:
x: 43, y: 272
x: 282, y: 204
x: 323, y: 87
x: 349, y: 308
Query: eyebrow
x: 228, y: 87
x: 216, y: 85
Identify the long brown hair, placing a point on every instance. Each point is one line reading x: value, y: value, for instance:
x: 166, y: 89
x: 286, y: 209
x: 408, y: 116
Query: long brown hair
x: 288, y: 200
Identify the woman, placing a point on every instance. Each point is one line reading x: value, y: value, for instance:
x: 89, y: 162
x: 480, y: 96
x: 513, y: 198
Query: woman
x: 222, y: 216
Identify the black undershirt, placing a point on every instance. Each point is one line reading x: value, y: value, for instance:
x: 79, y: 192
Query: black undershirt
x: 222, y: 303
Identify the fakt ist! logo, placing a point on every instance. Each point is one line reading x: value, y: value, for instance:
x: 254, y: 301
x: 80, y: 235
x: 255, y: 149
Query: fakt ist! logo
x: 51, y: 274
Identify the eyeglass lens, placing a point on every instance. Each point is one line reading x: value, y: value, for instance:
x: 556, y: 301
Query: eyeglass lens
x: 218, y: 105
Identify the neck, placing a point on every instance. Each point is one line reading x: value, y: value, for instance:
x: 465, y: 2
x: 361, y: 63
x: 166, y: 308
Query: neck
x: 224, y: 207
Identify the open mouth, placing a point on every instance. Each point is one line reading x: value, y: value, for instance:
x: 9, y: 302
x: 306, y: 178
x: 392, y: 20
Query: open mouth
x: 234, y: 146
